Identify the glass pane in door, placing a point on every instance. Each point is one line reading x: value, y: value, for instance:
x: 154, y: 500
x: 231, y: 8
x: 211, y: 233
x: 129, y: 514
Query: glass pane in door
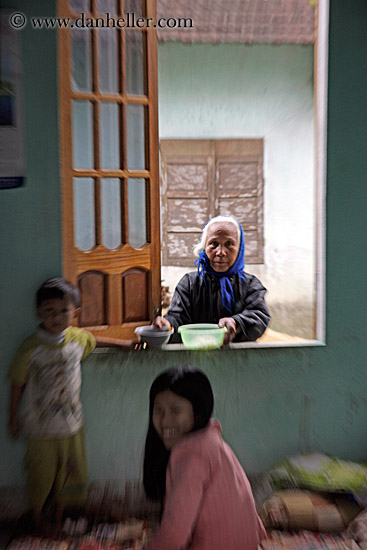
x: 135, y: 130
x: 108, y: 64
x: 84, y: 219
x: 81, y: 74
x: 82, y: 134
x: 111, y: 212
x: 106, y: 6
x: 134, y: 6
x: 135, y: 59
x: 137, y: 212
x: 109, y: 136
x: 80, y: 6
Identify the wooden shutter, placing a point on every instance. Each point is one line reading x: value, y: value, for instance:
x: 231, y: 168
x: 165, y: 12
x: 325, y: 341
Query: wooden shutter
x: 204, y: 178
x: 110, y: 197
x: 239, y: 190
x: 188, y: 172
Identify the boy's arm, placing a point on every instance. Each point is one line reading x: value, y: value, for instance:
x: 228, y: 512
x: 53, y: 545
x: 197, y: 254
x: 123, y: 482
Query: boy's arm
x: 90, y: 342
x: 105, y: 342
x: 15, y: 397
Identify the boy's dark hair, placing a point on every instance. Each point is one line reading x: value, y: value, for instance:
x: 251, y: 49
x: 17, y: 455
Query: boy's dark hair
x: 186, y: 381
x: 58, y: 288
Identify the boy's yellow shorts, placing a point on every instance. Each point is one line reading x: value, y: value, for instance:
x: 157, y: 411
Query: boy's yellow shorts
x: 57, y: 468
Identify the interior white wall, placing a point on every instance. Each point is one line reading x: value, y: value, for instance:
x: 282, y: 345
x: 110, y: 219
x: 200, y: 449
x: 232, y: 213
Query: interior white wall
x: 255, y: 91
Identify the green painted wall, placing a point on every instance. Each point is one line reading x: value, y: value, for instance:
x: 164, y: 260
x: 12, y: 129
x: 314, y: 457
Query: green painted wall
x: 30, y: 231
x: 271, y: 402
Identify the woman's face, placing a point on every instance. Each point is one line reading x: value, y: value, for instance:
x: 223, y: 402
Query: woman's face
x: 173, y: 417
x: 222, y: 245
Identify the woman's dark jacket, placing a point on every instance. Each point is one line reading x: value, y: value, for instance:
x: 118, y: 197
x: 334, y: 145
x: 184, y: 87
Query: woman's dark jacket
x: 199, y: 301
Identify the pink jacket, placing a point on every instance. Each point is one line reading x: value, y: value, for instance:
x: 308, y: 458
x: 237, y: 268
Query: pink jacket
x: 209, y: 503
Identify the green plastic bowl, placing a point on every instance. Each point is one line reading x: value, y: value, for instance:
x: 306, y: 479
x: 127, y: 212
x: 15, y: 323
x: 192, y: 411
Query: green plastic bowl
x: 204, y: 336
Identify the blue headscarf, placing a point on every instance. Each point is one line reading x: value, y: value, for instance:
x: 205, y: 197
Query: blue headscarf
x: 226, y: 288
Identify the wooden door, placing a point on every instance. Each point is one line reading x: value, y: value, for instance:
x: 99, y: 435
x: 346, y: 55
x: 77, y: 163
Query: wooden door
x: 109, y: 137
x: 239, y: 190
x: 204, y: 178
x: 188, y: 174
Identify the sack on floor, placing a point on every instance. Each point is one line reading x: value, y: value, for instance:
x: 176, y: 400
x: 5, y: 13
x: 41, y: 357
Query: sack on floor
x: 295, y: 510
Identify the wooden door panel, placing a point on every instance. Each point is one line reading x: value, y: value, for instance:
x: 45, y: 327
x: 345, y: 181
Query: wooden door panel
x: 239, y: 148
x: 189, y: 176
x: 92, y: 285
x: 135, y: 294
x: 237, y: 178
x: 253, y: 246
x: 187, y: 215
x: 243, y: 209
x: 180, y: 248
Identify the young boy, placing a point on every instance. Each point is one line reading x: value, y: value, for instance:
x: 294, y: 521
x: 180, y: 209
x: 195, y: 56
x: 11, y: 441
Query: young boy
x: 46, y: 377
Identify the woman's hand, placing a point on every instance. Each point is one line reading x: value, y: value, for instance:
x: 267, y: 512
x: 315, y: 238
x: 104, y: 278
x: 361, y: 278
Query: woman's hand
x: 231, y: 326
x: 161, y: 322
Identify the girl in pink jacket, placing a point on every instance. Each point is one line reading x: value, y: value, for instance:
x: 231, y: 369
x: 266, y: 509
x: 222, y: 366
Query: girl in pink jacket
x: 205, y: 494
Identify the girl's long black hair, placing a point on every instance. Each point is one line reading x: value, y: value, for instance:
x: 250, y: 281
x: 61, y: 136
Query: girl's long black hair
x: 191, y: 383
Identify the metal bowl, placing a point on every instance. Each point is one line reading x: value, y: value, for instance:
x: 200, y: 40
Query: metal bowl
x: 154, y: 337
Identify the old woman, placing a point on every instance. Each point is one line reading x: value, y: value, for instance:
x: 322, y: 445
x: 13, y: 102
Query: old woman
x: 220, y: 291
